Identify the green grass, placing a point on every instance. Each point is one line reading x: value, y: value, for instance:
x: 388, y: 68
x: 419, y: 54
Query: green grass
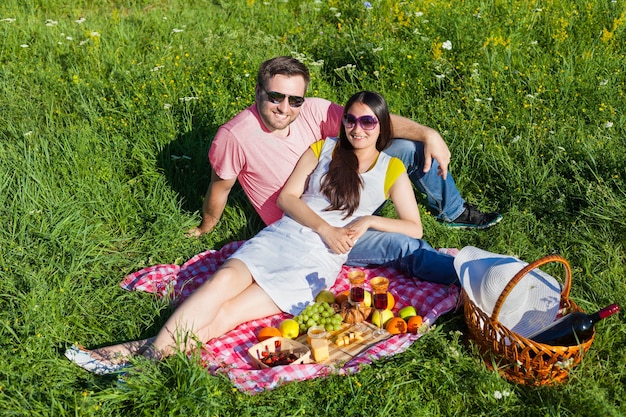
x: 107, y: 112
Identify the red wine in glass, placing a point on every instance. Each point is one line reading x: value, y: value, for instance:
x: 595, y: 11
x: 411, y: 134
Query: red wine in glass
x: 357, y: 294
x: 380, y: 301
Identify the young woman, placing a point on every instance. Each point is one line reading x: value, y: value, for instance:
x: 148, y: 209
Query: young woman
x: 328, y: 203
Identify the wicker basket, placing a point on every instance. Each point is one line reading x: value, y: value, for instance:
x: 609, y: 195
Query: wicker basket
x: 519, y: 359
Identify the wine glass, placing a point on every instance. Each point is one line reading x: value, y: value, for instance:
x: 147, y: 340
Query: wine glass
x: 380, y: 285
x: 357, y: 292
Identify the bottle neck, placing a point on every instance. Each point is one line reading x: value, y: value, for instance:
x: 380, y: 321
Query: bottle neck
x: 607, y: 311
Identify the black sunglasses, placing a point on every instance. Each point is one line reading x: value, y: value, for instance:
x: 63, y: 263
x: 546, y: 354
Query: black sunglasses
x: 366, y: 122
x: 277, y: 98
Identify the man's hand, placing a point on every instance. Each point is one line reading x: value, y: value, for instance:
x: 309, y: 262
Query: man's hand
x: 197, y: 231
x: 435, y: 148
x: 213, y: 205
x: 434, y: 145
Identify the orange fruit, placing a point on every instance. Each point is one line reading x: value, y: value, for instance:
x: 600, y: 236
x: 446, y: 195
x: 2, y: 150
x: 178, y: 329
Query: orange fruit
x: 268, y: 332
x: 342, y: 297
x: 396, y: 326
x: 391, y: 301
x: 414, y: 324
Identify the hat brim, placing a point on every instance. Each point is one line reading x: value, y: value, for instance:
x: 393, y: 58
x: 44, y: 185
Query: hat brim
x: 530, y: 306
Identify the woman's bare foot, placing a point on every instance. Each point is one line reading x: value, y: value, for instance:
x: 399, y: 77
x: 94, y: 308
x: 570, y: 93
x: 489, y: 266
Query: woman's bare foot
x: 122, y: 352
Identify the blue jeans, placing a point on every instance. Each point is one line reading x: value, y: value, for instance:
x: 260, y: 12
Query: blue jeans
x: 442, y: 196
x: 412, y: 256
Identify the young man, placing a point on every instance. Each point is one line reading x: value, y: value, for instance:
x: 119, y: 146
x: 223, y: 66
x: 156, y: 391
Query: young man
x: 261, y: 145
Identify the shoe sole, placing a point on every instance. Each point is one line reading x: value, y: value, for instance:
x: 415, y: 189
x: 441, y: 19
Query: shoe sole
x: 466, y: 226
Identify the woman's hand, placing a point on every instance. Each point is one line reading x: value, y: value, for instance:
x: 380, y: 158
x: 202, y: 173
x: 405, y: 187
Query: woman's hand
x: 339, y: 239
x: 359, y: 226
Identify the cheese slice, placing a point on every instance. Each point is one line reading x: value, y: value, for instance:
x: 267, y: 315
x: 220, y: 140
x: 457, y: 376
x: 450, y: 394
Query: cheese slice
x: 319, y: 347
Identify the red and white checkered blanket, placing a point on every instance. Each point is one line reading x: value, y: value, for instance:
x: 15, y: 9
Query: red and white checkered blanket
x: 228, y: 354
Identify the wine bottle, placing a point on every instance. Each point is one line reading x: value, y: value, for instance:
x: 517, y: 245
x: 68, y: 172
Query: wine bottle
x: 573, y: 328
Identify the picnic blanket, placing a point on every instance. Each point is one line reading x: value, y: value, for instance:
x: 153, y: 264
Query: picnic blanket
x: 228, y: 353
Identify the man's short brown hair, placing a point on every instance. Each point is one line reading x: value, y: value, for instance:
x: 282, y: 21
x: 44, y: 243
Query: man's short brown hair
x: 283, y: 65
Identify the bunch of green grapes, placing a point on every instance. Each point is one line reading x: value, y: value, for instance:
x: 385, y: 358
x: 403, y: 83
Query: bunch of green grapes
x: 318, y: 314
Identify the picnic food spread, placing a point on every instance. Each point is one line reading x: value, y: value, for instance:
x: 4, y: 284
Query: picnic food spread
x: 228, y: 355
x: 333, y: 329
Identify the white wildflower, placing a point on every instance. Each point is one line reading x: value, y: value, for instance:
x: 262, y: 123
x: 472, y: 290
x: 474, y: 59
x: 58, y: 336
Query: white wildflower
x: 24, y: 45
x: 447, y: 45
x: 30, y: 132
x: 158, y: 67
x: 69, y: 38
x: 167, y: 106
x: 499, y: 395
x: 8, y: 20
x: 514, y: 140
x: 608, y: 125
x: 80, y: 21
x: 50, y: 22
x: 440, y: 76
x: 419, y: 14
x: 187, y: 99
x: 94, y: 34
x: 177, y: 30
x: 604, y: 82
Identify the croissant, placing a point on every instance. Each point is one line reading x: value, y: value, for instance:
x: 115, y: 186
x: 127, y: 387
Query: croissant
x: 352, y: 314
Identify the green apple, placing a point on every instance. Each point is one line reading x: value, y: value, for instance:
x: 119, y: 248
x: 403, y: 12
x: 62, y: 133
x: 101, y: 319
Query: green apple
x: 386, y: 316
x: 407, y: 312
x: 326, y: 296
x: 289, y: 328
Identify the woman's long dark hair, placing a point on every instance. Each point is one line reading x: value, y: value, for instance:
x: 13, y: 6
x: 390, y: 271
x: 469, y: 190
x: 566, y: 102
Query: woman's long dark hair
x: 342, y: 183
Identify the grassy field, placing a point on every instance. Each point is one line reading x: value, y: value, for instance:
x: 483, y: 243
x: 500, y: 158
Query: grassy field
x: 107, y: 111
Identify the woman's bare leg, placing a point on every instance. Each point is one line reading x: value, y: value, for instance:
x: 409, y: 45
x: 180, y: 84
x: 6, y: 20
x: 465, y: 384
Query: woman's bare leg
x: 192, y: 318
x: 253, y: 303
x: 230, y: 298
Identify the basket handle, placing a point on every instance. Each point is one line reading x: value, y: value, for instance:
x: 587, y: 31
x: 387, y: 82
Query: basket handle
x: 536, y: 264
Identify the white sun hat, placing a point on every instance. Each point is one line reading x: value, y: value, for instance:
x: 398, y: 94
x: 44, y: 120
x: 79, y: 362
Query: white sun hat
x: 531, y: 305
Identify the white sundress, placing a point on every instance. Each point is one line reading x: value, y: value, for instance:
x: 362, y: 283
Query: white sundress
x: 291, y: 262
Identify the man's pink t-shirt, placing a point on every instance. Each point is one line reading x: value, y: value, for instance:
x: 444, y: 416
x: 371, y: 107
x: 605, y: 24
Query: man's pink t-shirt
x: 262, y: 161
